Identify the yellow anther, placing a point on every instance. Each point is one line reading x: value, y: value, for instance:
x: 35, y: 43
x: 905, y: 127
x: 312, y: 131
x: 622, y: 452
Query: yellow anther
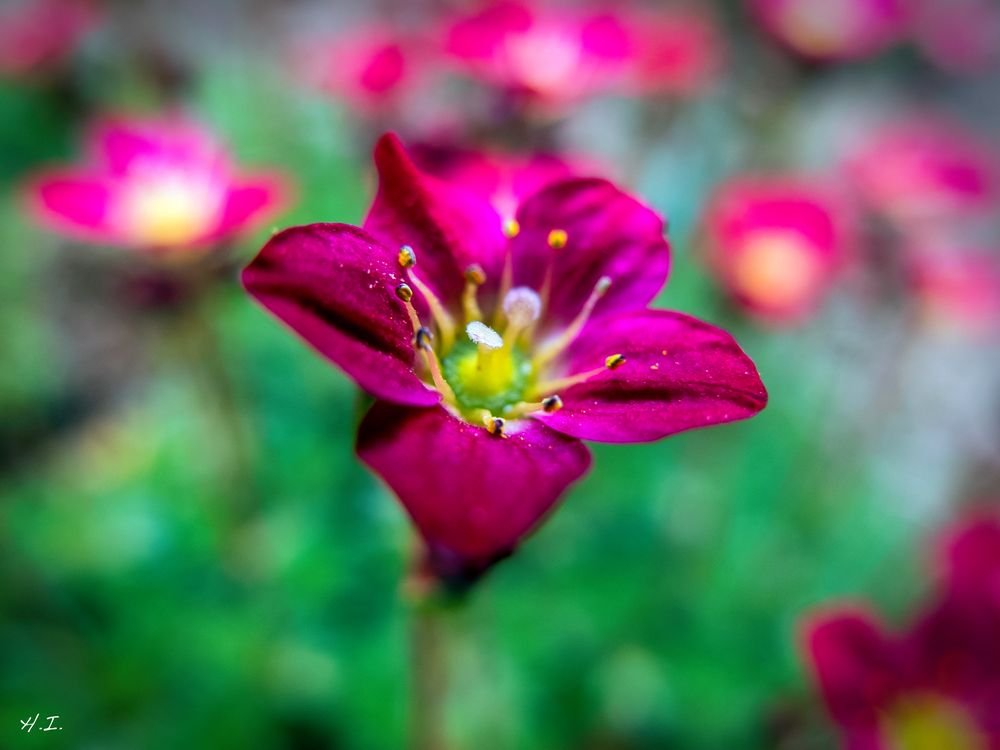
x: 552, y: 404
x: 614, y: 361
x: 494, y: 425
x: 407, y: 258
x: 557, y: 239
x: 404, y: 292
x: 511, y: 228
x: 475, y: 274
x: 475, y: 277
x: 423, y: 338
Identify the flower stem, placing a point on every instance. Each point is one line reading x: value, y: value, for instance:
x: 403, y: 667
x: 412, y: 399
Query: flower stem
x: 428, y: 674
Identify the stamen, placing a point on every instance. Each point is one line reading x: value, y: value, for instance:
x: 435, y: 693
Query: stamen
x: 407, y: 258
x: 561, y: 384
x: 423, y: 342
x: 568, y: 336
x: 506, y: 279
x: 494, y: 425
x: 557, y: 239
x: 475, y: 277
x: 548, y: 405
x: 511, y: 228
x: 522, y: 306
x: 405, y: 293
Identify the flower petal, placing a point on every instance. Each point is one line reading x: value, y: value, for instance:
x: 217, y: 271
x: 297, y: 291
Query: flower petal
x: 117, y: 143
x: 334, y: 285
x: 858, y: 670
x: 679, y: 373
x: 449, y: 228
x: 472, y: 495
x: 251, y: 201
x: 76, y: 204
x: 608, y: 233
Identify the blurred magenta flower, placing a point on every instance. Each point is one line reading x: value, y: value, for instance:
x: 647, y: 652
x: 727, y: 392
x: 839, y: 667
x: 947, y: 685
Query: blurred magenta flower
x: 494, y: 347
x: 549, y: 55
x: 675, y: 51
x: 834, y: 30
x: 502, y: 179
x: 926, y: 169
x: 373, y: 68
x: 962, y: 36
x: 936, y: 683
x: 778, y: 243
x: 36, y: 34
x: 154, y: 184
x: 956, y: 287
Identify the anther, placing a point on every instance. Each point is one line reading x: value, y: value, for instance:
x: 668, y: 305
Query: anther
x: 475, y: 277
x: 557, y: 239
x: 423, y: 338
x: 614, y: 361
x: 407, y: 258
x: 494, y: 425
x: 552, y: 404
x: 475, y: 274
x: 511, y: 228
x: 404, y: 292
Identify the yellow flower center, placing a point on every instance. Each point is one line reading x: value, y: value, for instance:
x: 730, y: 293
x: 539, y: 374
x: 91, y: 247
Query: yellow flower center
x: 818, y: 27
x: 776, y: 270
x: 169, y: 208
x: 931, y: 723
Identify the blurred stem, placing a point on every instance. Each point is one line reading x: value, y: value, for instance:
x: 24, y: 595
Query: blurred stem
x: 428, y: 675
x: 203, y: 350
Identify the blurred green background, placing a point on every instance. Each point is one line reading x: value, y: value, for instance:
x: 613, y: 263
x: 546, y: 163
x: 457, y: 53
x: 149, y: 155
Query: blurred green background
x: 176, y: 571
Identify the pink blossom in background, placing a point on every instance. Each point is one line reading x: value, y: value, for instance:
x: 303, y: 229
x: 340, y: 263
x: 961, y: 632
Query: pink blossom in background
x: 154, y: 184
x: 957, y: 287
x: 935, y: 683
x: 503, y: 179
x: 962, y: 36
x: 495, y: 347
x: 372, y: 68
x: 832, y: 30
x: 548, y: 54
x: 925, y: 169
x: 37, y: 34
x: 675, y: 51
x: 778, y: 243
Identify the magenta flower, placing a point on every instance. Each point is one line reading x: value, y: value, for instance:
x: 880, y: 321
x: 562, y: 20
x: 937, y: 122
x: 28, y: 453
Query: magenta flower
x: 962, y: 36
x: 37, y: 34
x: 675, y: 52
x: 502, y: 179
x: 832, y: 30
x: 373, y: 69
x: 778, y: 243
x: 923, y: 169
x: 157, y: 184
x: 551, y: 56
x: 956, y: 287
x: 936, y: 683
x: 495, y: 347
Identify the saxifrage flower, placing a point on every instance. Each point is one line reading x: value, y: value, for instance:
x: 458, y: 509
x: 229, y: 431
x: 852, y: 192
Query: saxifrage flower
x: 777, y: 243
x: 494, y: 347
x: 37, y: 34
x: 154, y: 184
x: 933, y: 684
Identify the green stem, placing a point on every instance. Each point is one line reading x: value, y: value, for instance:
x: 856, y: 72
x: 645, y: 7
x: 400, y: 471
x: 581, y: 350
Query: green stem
x: 428, y: 677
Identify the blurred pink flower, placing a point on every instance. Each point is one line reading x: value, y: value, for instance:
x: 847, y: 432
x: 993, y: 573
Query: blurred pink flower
x: 957, y: 287
x: 549, y: 55
x: 36, y: 34
x: 372, y: 68
x: 778, y: 243
x: 936, y: 683
x: 675, y: 51
x: 503, y: 179
x: 154, y: 184
x: 926, y: 169
x: 831, y: 30
x: 494, y: 348
x: 962, y: 36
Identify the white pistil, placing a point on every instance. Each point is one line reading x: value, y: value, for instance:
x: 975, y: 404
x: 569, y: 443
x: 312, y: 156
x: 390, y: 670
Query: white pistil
x: 522, y: 306
x: 483, y: 336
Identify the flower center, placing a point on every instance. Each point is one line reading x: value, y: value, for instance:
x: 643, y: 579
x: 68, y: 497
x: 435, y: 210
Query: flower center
x: 819, y: 27
x: 496, y: 372
x: 931, y: 723
x: 776, y: 269
x: 169, y: 208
